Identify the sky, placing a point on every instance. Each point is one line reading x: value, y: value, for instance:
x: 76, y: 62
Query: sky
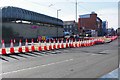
x: 107, y: 10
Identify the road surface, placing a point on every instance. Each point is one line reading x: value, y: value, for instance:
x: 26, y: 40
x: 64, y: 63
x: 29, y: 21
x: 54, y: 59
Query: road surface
x: 85, y: 62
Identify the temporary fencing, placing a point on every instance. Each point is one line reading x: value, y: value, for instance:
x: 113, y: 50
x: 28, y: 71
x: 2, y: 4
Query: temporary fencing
x: 56, y: 44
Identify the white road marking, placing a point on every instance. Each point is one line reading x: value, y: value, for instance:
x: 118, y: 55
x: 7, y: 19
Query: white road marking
x: 96, y: 54
x: 36, y: 67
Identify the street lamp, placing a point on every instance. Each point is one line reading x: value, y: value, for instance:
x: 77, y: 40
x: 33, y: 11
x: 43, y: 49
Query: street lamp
x: 57, y: 20
x: 57, y: 16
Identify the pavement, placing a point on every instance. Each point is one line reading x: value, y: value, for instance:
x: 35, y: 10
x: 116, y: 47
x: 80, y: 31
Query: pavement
x: 84, y: 62
x: 112, y: 74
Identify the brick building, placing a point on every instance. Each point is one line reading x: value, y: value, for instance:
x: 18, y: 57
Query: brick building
x: 90, y: 22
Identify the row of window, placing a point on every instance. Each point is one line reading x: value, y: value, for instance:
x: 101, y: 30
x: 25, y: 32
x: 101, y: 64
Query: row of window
x: 68, y: 30
x: 68, y: 26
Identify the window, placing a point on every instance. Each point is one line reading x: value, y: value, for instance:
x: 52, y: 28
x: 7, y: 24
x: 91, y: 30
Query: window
x: 67, y: 26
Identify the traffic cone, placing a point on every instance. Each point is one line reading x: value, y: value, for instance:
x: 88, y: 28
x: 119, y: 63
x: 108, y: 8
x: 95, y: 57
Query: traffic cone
x: 45, y: 45
x: 12, y: 47
x: 20, y: 46
x: 86, y: 43
x: 39, y: 46
x: 93, y: 42
x: 90, y: 43
x: 50, y: 46
x: 62, y: 45
x: 79, y: 45
x: 69, y: 42
x: 26, y: 46
x: 83, y: 43
x: 3, y: 48
x: 66, y: 43
x: 72, y: 43
x: 54, y: 46
x: 32, y: 45
x: 58, y: 46
x: 75, y: 43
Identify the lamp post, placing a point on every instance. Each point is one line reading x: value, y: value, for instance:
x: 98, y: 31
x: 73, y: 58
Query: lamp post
x: 57, y: 20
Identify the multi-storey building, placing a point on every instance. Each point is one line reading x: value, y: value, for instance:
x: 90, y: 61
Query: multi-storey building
x: 71, y: 27
x: 90, y: 22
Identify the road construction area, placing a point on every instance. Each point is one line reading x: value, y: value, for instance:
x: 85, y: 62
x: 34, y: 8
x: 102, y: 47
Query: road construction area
x: 83, y: 62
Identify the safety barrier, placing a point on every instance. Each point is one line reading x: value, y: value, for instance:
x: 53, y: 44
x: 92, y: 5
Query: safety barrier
x: 45, y: 46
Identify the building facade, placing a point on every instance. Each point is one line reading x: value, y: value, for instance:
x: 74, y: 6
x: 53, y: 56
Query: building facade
x: 90, y: 22
x: 104, y: 28
x: 70, y: 27
x: 21, y: 24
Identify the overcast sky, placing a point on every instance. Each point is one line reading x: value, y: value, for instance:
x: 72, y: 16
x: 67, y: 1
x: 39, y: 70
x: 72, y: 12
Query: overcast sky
x: 106, y: 10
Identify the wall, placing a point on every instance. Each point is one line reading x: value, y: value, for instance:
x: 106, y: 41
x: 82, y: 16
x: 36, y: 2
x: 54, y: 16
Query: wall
x: 88, y: 23
x: 11, y: 30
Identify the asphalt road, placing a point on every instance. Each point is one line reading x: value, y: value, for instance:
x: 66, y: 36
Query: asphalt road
x: 85, y: 62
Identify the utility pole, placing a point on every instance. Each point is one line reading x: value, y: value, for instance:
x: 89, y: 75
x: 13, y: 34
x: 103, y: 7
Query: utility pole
x: 76, y: 9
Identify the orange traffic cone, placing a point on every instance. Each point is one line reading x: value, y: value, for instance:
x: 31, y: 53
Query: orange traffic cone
x: 83, y: 43
x: 26, y: 46
x: 54, y: 46
x: 89, y: 42
x: 66, y: 43
x: 79, y: 45
x: 86, y: 43
x: 20, y: 46
x: 71, y: 43
x: 12, y: 47
x: 62, y: 45
x: 75, y: 43
x: 3, y: 48
x: 58, y: 46
x: 92, y: 42
x: 39, y: 47
x: 50, y: 46
x: 45, y: 45
x: 32, y: 45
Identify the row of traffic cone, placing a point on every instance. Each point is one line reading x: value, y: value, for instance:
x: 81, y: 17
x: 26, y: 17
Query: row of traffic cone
x: 12, y: 50
x: 70, y: 43
x: 4, y: 49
